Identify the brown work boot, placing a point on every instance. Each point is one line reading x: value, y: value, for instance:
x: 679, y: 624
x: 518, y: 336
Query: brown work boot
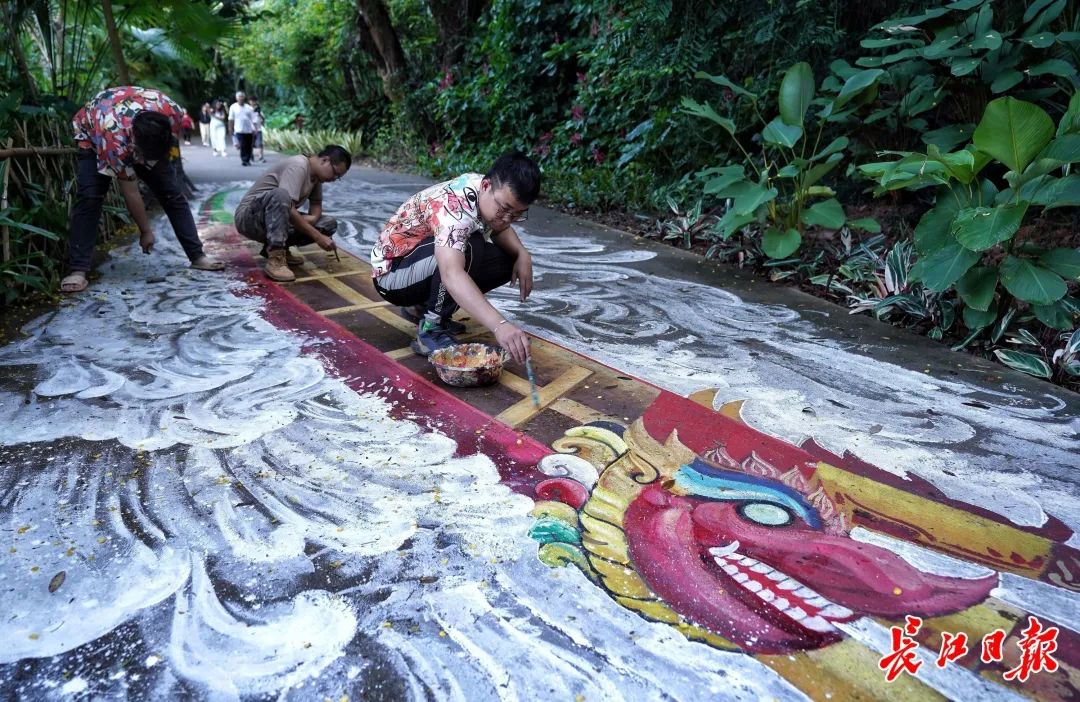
x: 277, y: 268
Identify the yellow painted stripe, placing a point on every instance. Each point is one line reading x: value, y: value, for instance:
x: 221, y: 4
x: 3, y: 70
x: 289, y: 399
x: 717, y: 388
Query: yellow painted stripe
x: 846, y: 671
x: 392, y: 318
x: 579, y: 412
x: 521, y: 412
x: 936, y: 525
x: 355, y: 308
x: 320, y: 276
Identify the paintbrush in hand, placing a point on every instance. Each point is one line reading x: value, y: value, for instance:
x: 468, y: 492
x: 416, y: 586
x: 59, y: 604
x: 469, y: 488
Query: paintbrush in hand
x: 532, y: 382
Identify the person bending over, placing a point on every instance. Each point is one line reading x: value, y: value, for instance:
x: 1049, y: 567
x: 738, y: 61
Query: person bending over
x: 269, y: 212
x: 450, y: 244
x: 126, y: 133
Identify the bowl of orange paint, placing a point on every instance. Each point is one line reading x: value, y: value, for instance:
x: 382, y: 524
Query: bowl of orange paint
x: 468, y: 365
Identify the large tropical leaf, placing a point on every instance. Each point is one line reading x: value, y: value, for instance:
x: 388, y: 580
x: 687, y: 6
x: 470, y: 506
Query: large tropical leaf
x: 705, y: 110
x: 1013, y: 132
x: 1056, y: 316
x: 939, y: 270
x: 748, y: 196
x: 979, y: 228
x: 828, y: 214
x: 976, y: 287
x: 781, y: 134
x: 1030, y: 282
x: 780, y: 244
x: 727, y: 83
x: 979, y: 319
x: 724, y: 177
x: 855, y: 85
x: 1064, y: 262
x: 796, y: 93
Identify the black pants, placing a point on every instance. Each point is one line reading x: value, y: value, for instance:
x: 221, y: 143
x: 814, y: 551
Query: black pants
x: 246, y: 140
x: 92, y: 187
x: 415, y: 278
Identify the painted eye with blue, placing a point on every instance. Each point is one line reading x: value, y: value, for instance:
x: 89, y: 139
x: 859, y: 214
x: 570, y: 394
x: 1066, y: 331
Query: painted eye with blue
x: 761, y: 501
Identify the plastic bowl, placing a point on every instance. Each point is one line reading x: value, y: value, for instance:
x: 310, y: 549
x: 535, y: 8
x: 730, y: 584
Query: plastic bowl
x: 468, y: 365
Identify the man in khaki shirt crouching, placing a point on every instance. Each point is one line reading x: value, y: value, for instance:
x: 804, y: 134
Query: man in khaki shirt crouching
x: 269, y: 212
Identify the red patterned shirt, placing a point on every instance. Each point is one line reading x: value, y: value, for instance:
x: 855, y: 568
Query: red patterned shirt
x: 104, y: 125
x: 447, y: 211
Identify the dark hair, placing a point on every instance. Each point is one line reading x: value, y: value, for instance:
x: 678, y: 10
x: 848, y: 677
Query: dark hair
x: 337, y: 154
x: 518, y: 172
x: 153, y: 134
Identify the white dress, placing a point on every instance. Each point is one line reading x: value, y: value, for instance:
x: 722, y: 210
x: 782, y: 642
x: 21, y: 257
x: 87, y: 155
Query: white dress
x: 217, y: 135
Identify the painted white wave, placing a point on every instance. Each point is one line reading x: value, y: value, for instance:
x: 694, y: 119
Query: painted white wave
x: 195, y: 508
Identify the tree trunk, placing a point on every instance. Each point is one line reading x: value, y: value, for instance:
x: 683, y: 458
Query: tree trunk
x: 380, y: 39
x: 454, y: 19
x: 114, y: 43
x: 20, y: 57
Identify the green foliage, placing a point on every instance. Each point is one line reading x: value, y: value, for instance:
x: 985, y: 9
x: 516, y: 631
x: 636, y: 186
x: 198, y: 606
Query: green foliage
x: 303, y: 58
x: 976, y: 219
x: 310, y: 143
x: 777, y: 187
x: 945, y: 63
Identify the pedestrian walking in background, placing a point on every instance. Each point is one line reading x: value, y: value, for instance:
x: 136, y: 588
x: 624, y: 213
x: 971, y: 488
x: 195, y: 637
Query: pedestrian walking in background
x: 257, y: 125
x: 241, y: 124
x: 187, y: 126
x: 126, y: 133
x: 204, y: 123
x: 219, y: 128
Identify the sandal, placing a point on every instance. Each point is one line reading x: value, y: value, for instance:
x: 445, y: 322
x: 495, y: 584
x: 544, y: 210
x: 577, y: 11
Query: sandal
x: 205, y: 263
x: 73, y: 282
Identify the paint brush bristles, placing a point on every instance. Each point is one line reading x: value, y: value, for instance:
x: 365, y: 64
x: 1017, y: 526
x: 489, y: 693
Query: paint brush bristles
x: 532, y: 382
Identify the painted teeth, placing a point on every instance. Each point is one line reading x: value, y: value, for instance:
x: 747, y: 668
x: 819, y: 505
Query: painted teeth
x: 817, y: 624
x: 727, y: 556
x: 721, y: 551
x: 835, y: 611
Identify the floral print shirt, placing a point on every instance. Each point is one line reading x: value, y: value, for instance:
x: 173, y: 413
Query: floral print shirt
x: 104, y: 125
x: 447, y: 211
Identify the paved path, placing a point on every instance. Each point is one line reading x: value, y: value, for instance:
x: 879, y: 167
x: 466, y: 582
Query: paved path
x: 223, y: 487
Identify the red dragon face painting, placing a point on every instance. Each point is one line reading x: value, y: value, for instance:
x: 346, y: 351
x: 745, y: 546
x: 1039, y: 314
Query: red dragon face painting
x: 739, y: 554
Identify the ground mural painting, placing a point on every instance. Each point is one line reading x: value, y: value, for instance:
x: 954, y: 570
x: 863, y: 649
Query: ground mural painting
x: 261, y: 502
x: 762, y: 610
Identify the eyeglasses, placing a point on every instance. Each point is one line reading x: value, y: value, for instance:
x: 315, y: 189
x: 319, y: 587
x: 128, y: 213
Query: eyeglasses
x: 505, y: 212
x: 338, y: 176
